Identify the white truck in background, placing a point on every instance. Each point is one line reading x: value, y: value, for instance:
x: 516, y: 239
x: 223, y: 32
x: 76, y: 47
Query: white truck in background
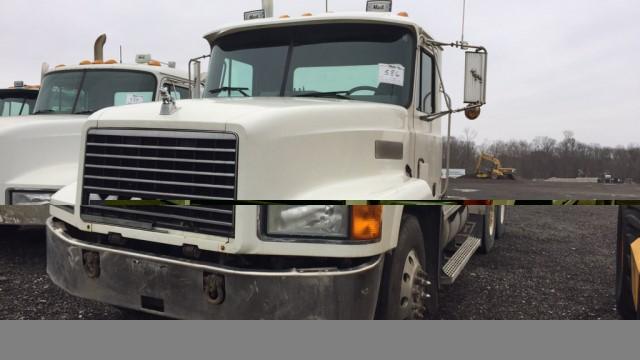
x: 303, y: 110
x: 39, y: 153
x: 18, y: 100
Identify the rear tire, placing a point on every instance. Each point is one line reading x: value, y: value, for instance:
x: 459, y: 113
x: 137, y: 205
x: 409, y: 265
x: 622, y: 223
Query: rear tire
x: 500, y: 220
x: 394, y: 303
x: 488, y: 230
x: 628, y: 232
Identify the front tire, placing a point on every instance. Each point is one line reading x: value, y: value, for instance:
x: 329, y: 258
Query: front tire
x: 8, y: 230
x: 628, y: 232
x: 402, y: 293
x: 500, y: 220
x: 488, y: 230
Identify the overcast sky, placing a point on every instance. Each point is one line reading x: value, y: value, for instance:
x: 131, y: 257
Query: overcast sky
x: 554, y: 65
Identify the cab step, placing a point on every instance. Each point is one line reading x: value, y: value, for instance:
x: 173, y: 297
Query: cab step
x: 452, y: 269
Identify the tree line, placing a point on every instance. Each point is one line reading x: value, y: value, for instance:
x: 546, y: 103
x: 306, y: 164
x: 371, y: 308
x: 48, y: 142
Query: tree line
x: 545, y: 157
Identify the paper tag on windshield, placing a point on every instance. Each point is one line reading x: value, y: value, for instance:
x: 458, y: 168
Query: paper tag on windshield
x: 134, y: 99
x: 391, y: 74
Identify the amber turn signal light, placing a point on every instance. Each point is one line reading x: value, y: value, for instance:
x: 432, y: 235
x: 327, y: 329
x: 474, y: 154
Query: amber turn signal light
x: 366, y: 222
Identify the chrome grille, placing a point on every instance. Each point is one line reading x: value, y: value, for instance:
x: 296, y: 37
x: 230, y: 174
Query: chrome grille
x: 179, y: 179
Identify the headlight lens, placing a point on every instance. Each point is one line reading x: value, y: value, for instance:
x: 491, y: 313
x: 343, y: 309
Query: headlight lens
x: 338, y: 222
x: 308, y: 220
x: 30, y: 197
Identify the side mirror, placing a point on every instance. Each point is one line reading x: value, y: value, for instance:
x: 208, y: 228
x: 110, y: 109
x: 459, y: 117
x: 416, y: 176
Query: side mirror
x: 475, y: 77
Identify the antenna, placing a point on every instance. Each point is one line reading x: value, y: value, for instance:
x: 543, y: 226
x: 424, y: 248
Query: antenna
x: 464, y: 9
x: 120, y: 54
x: 326, y: 6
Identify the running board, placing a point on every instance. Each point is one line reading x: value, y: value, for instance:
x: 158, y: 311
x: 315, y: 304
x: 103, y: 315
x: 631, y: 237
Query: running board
x: 459, y: 260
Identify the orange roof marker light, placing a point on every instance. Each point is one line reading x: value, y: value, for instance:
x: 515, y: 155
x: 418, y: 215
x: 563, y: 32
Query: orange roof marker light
x: 366, y: 222
x: 154, y: 63
x: 307, y: 14
x: 285, y: 16
x: 60, y: 65
x: 85, y: 62
x: 403, y: 14
x: 110, y: 61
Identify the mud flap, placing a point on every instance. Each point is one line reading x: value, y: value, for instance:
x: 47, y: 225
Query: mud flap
x: 635, y: 273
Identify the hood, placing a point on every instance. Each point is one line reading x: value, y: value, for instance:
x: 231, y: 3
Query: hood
x: 296, y: 145
x: 31, y: 144
x: 217, y: 113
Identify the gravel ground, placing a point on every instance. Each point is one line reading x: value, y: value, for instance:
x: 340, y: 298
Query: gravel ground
x: 522, y: 189
x: 553, y: 263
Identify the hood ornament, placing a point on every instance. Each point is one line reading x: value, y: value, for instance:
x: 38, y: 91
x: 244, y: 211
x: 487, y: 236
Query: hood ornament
x: 168, y: 104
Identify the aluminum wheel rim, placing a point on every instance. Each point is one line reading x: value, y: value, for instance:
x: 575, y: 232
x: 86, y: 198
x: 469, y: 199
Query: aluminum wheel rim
x: 408, y: 300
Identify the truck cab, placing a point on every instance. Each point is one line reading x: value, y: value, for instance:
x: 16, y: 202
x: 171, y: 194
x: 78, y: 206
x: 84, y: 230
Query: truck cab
x: 18, y: 100
x: 324, y: 107
x: 40, y: 151
x: 328, y: 107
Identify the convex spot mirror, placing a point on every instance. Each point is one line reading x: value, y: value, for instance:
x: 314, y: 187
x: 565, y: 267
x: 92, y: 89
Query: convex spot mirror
x: 475, y: 77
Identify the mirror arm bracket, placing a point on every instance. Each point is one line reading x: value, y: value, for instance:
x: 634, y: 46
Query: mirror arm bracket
x: 432, y: 117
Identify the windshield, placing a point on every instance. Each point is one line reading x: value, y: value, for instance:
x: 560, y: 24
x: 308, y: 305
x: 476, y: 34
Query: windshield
x: 348, y: 61
x: 87, y: 91
x: 15, y: 106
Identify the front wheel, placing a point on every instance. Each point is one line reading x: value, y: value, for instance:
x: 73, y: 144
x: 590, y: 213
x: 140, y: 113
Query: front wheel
x: 405, y: 287
x: 628, y: 232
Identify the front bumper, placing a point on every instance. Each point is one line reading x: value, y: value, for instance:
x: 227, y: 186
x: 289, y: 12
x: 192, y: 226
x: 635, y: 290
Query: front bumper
x: 174, y: 287
x: 24, y: 215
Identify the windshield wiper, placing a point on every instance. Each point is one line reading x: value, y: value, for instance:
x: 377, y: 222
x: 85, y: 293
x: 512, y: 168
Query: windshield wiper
x: 327, y: 94
x: 241, y: 90
x: 86, y: 112
x: 48, y: 111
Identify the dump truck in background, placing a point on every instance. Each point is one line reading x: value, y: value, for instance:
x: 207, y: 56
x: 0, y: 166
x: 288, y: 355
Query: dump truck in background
x: 628, y: 262
x: 152, y: 222
x: 39, y: 153
x: 18, y: 100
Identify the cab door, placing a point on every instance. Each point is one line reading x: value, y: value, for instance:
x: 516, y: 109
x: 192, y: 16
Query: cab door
x: 427, y: 134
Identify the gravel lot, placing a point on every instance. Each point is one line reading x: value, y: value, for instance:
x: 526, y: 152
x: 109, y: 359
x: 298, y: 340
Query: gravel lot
x: 522, y: 189
x: 553, y: 263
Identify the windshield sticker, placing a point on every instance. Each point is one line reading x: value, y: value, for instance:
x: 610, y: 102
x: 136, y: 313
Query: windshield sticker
x: 134, y: 99
x: 391, y: 74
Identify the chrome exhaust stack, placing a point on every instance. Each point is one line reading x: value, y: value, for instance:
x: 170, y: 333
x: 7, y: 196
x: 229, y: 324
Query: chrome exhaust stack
x: 98, y: 48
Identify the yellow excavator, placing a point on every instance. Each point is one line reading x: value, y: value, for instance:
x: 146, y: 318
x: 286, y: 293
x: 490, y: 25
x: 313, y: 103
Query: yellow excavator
x: 496, y: 171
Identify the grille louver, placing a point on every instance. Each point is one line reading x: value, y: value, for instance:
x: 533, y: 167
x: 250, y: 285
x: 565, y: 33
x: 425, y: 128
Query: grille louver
x: 191, y: 173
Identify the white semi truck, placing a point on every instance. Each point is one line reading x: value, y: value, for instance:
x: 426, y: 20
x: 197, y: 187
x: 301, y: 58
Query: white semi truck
x: 39, y: 153
x: 326, y: 107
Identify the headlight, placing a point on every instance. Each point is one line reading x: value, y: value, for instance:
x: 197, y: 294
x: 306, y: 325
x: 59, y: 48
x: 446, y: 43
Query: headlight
x: 337, y: 222
x: 30, y: 197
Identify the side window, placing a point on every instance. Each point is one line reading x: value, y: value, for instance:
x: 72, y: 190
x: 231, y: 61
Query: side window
x: 237, y: 75
x: 427, y: 84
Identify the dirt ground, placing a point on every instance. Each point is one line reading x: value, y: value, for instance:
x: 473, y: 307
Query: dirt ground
x: 480, y: 189
x: 553, y: 263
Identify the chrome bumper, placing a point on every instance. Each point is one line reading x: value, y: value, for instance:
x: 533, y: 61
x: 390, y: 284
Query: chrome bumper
x: 174, y: 287
x: 24, y: 215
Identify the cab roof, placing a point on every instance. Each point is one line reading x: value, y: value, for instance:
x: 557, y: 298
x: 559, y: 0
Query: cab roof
x: 324, y: 18
x: 158, y: 70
